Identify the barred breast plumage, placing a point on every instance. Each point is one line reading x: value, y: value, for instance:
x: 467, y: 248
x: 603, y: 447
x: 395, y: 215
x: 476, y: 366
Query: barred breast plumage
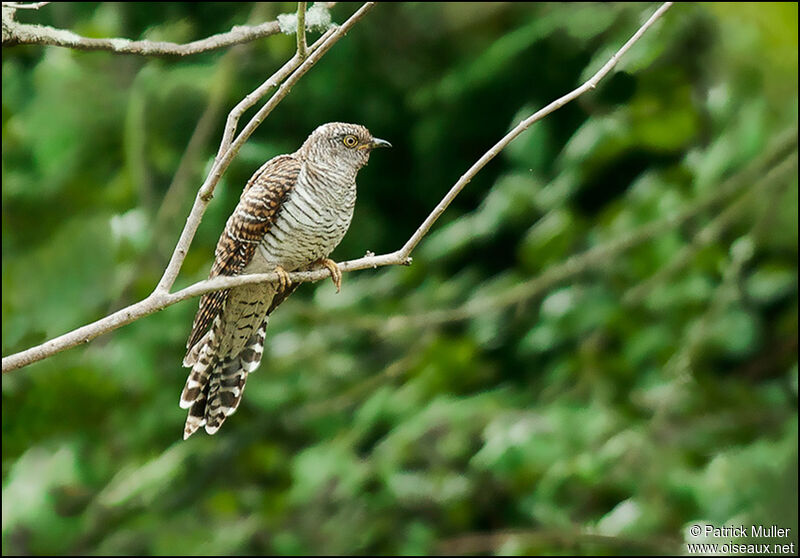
x: 312, y: 222
x: 292, y: 213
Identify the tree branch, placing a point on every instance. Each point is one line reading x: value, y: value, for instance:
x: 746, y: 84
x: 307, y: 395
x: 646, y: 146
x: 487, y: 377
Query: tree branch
x: 524, y: 125
x: 301, y: 30
x: 161, y: 298
x: 15, y: 33
x: 25, y: 6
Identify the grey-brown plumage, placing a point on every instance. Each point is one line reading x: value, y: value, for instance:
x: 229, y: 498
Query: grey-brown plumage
x: 293, y: 212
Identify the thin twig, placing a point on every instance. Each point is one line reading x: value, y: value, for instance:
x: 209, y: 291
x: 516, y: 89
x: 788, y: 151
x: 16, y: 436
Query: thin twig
x: 25, y: 6
x: 15, y: 33
x: 524, y: 125
x: 161, y: 298
x: 301, y: 30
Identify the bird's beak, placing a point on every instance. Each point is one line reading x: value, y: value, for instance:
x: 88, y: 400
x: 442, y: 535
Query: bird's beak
x: 377, y: 142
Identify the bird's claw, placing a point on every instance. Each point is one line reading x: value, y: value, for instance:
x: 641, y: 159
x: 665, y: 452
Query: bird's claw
x: 336, y: 273
x: 283, y: 278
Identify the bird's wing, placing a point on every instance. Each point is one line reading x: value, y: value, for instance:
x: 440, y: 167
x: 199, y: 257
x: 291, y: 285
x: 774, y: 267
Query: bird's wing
x: 256, y: 212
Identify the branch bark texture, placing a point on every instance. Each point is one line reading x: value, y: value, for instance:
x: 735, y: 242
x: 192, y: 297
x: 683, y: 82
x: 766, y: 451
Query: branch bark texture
x: 15, y: 33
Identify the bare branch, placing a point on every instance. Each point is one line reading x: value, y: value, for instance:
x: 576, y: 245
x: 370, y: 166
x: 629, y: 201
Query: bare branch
x: 25, y: 6
x: 15, y: 33
x: 301, y: 30
x: 161, y: 298
x: 521, y: 127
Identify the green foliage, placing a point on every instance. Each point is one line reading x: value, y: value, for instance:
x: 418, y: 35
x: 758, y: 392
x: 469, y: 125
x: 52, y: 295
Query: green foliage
x: 501, y: 395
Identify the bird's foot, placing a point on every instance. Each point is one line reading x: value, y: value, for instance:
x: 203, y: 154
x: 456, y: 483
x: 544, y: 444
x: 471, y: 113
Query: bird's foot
x: 283, y: 278
x: 336, y: 273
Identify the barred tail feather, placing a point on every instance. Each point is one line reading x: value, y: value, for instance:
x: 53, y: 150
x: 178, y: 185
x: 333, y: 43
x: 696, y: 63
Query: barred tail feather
x: 214, y: 388
x: 194, y: 351
x: 195, y: 393
x: 198, y: 377
x: 226, y: 388
x: 202, y: 359
x: 196, y: 417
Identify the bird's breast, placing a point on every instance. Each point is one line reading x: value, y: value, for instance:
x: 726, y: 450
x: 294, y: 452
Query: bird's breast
x: 312, y: 222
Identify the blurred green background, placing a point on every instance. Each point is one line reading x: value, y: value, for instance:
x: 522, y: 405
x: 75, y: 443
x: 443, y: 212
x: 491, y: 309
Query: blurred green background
x: 496, y: 396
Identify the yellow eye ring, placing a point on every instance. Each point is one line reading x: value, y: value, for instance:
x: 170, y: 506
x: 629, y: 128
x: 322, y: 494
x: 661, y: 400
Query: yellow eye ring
x: 350, y: 141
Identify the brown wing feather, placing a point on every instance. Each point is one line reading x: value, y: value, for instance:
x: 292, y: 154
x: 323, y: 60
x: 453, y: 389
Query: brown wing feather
x: 257, y: 210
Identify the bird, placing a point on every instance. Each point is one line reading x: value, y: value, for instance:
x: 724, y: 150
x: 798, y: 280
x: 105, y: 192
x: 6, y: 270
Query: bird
x: 292, y: 213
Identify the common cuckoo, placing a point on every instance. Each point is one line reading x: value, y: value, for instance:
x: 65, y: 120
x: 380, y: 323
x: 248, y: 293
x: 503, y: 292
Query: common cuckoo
x: 292, y: 213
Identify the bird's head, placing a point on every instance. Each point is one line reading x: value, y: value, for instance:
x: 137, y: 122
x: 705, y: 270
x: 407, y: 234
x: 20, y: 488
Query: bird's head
x: 338, y: 144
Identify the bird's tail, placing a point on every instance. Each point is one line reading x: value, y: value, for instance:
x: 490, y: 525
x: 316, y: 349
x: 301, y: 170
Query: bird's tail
x: 215, y: 384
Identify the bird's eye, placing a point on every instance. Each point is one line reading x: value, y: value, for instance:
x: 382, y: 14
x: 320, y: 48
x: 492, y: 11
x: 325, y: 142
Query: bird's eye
x: 350, y: 140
